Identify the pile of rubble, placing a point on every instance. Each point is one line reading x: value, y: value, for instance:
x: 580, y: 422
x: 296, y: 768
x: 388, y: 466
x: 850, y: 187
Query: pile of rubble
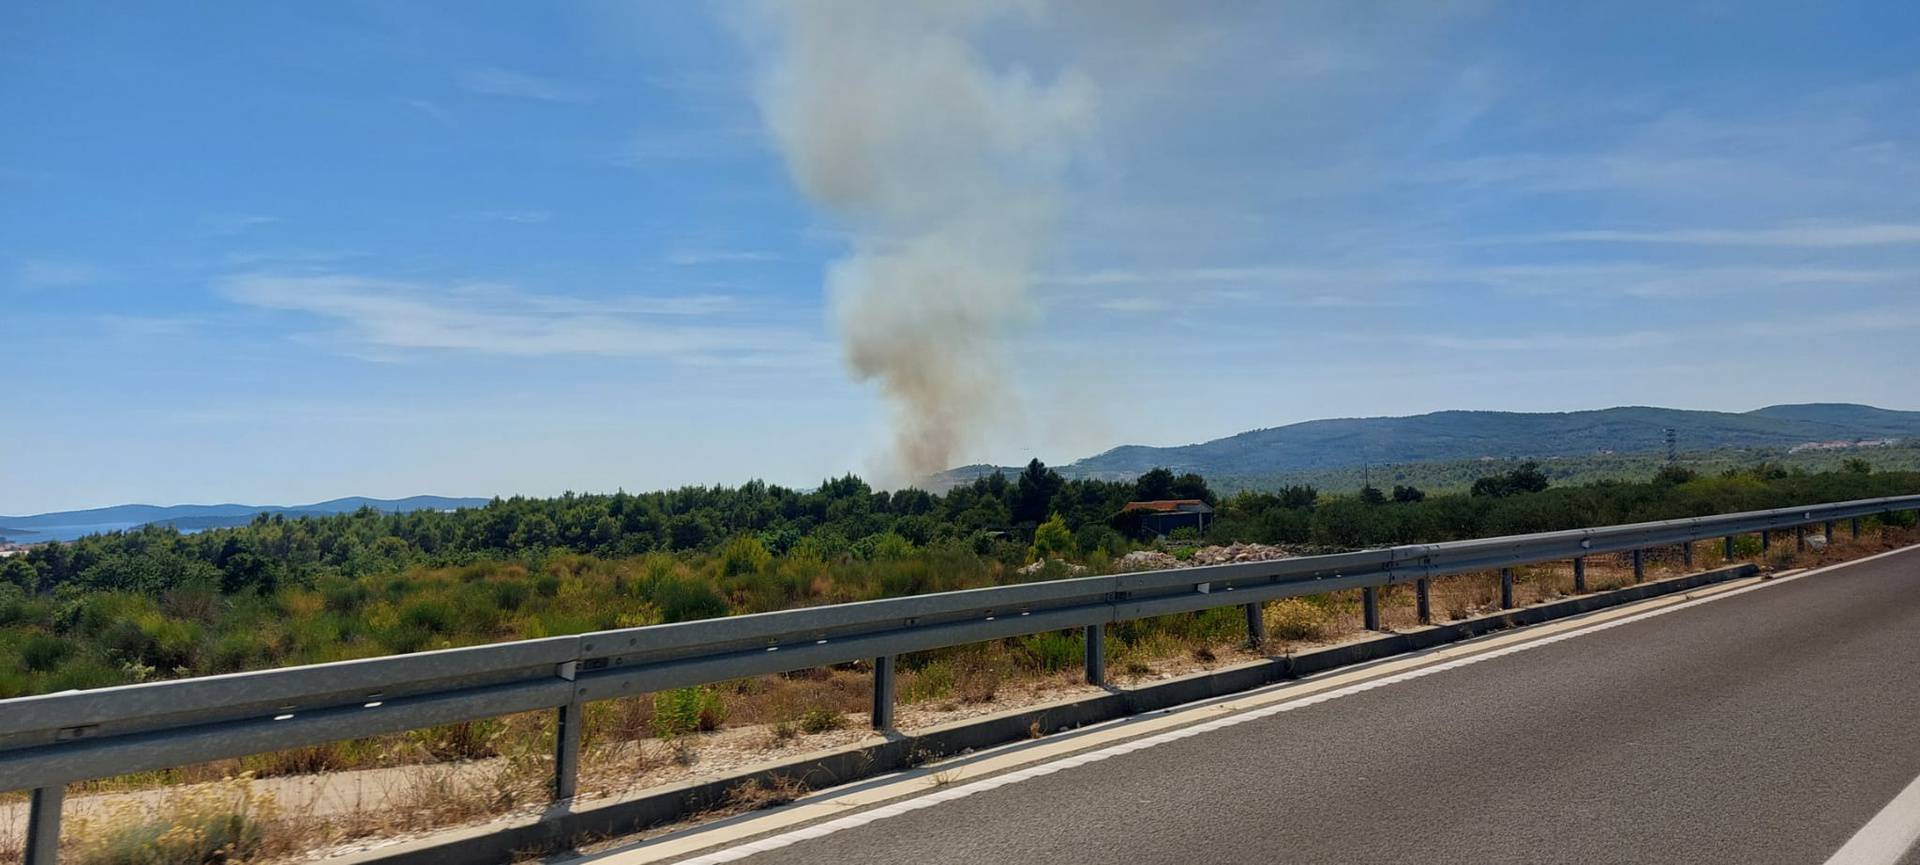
x: 1154, y: 560
x: 1232, y: 553
x: 1030, y: 569
x: 1147, y: 560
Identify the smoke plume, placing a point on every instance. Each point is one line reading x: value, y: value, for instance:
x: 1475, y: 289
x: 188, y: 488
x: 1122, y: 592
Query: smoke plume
x: 945, y: 168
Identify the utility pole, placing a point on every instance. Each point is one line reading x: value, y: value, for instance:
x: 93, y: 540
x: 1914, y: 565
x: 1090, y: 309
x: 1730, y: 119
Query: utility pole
x: 1673, y: 446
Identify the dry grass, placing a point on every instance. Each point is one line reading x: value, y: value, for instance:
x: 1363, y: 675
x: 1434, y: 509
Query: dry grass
x: 761, y: 795
x: 224, y: 822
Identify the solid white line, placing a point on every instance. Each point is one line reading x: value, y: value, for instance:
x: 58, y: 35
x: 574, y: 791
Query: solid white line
x: 1909, y: 810
x: 1888, y: 836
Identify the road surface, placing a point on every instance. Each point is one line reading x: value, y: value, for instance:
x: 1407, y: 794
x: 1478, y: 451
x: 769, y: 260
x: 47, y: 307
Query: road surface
x: 1759, y: 724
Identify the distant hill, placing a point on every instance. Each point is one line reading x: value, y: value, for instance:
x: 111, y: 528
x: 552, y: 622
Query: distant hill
x: 67, y: 525
x: 1322, y: 446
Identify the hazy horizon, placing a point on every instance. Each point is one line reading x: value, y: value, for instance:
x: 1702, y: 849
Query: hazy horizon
x: 806, y: 483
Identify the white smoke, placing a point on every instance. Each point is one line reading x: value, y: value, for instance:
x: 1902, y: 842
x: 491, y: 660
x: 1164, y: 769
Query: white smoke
x: 946, y: 169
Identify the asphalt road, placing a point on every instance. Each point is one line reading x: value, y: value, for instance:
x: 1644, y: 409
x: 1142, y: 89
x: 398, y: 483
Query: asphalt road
x: 1765, y: 727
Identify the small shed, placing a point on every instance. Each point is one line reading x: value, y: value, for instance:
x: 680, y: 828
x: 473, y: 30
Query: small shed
x: 1164, y: 516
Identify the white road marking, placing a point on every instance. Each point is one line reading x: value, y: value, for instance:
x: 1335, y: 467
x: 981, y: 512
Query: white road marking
x: 1906, y: 806
x: 1888, y: 836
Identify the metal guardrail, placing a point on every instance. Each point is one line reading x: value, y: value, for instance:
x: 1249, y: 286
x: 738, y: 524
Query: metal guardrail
x: 49, y: 740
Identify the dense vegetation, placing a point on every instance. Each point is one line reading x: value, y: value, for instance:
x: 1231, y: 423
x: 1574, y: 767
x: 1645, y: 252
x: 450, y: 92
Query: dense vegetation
x: 155, y: 603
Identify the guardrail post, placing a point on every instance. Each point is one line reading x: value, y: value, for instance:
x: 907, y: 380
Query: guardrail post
x: 1256, y: 625
x: 1639, y: 565
x: 1686, y: 555
x: 1096, y: 655
x: 1856, y: 528
x: 1800, y: 538
x: 1423, y: 600
x: 1729, y: 549
x: 1580, y: 576
x: 883, y: 690
x: 1506, y: 588
x: 1828, y: 528
x: 43, y: 826
x: 1370, y: 608
x: 1766, y: 540
x: 568, y: 726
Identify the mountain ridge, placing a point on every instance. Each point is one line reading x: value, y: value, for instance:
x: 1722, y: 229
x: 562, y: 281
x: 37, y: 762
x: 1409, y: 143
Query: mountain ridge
x: 1460, y: 434
x: 67, y: 525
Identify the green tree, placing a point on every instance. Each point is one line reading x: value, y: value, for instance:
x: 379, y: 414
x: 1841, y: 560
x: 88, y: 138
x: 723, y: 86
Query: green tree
x: 1192, y: 486
x: 1155, y: 485
x: 1033, y: 493
x: 1527, y: 478
x: 1052, y: 540
x: 1301, y: 497
x: 1671, y: 475
x: 19, y: 573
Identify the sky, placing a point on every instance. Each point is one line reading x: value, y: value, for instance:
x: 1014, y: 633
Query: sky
x: 277, y: 252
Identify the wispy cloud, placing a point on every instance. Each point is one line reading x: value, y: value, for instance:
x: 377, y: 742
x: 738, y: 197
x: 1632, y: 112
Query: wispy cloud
x: 1813, y: 326
x: 522, y: 217
x: 151, y: 327
x: 1813, y: 235
x: 402, y: 315
x: 1134, y: 303
x: 511, y: 84
x: 429, y: 108
x: 1411, y: 282
x: 722, y: 256
x: 37, y: 273
x: 231, y: 224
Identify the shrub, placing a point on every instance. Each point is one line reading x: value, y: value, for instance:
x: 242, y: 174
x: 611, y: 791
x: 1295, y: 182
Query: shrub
x: 508, y: 594
x: 235, y: 652
x: 1052, y: 651
x: 744, y: 555
x: 931, y: 682
x: 343, y: 595
x: 687, y: 710
x: 821, y: 719
x: 430, y: 615
x: 41, y: 653
x: 683, y: 599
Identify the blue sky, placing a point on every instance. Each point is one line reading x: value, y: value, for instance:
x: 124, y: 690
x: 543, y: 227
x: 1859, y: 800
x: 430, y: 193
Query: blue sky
x: 279, y: 252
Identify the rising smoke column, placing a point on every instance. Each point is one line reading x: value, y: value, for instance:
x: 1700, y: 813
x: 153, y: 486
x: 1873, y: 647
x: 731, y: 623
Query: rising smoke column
x: 945, y: 169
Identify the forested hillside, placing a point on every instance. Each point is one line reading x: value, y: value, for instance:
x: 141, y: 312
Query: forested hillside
x: 1473, y: 435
